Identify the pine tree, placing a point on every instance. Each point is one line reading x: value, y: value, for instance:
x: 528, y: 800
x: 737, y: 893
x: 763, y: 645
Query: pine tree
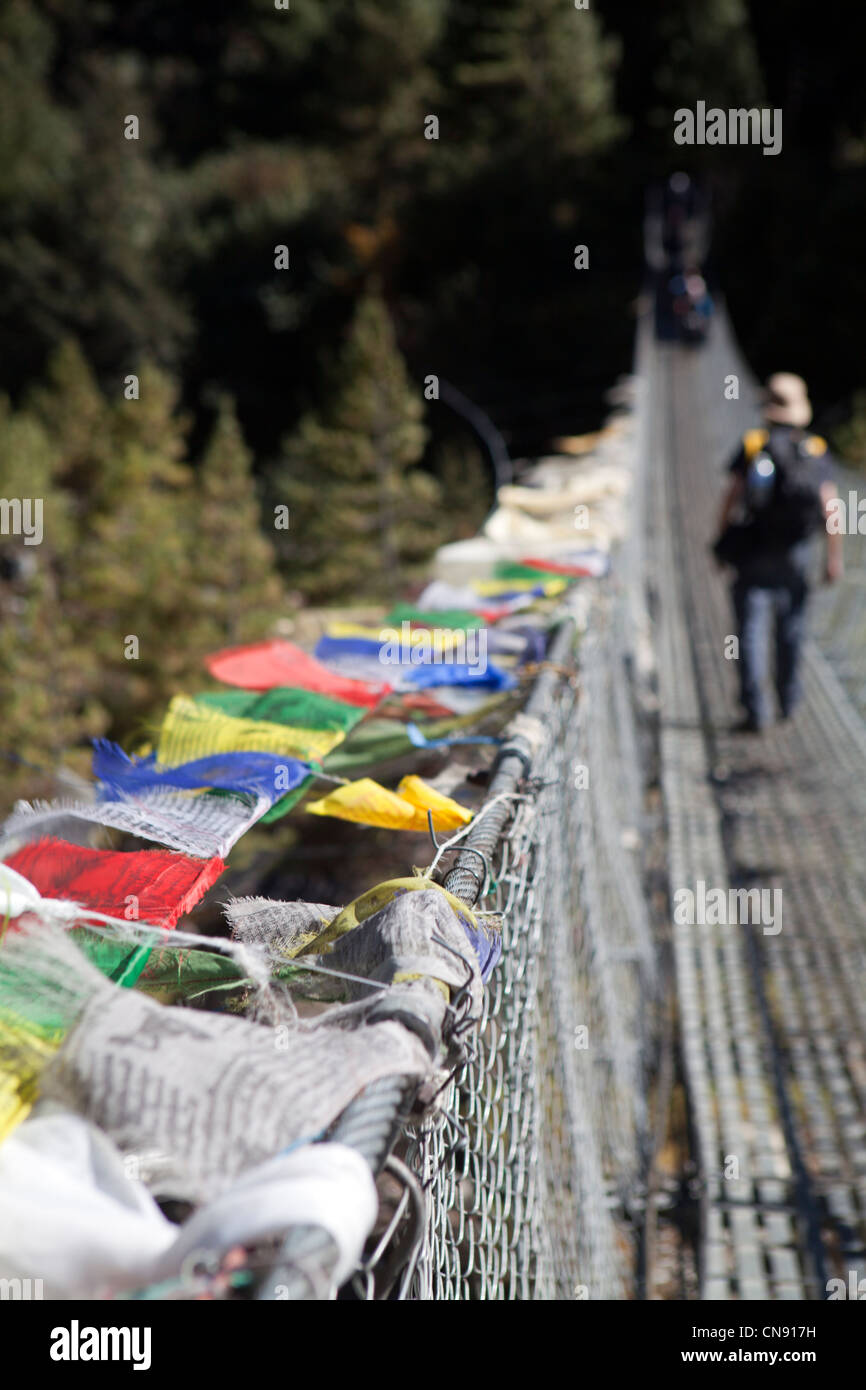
x: 143, y: 566
x: 72, y: 410
x: 366, y: 84
x: 538, y: 73
x: 39, y: 147
x: 47, y: 706
x: 234, y: 578
x: 126, y: 195
x: 85, y: 214
x: 708, y: 54
x: 362, y: 514
x: 133, y: 578
x: 466, y: 480
x: 128, y: 494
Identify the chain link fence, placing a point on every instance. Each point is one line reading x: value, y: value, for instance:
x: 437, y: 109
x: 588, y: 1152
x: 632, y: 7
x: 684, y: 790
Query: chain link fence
x: 540, y: 1150
x: 527, y: 1176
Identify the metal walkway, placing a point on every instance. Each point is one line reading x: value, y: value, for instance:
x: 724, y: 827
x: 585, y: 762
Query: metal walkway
x: 772, y: 1027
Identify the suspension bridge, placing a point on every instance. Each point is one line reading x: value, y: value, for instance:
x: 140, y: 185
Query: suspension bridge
x: 602, y: 1103
x: 544, y: 1186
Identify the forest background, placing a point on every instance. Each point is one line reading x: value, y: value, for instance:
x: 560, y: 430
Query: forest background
x: 227, y: 311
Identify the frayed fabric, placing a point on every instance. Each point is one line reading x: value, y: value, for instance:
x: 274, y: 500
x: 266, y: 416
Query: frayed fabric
x: 153, y: 886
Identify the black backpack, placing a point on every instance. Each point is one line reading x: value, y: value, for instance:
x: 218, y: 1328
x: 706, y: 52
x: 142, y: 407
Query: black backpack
x: 791, y: 509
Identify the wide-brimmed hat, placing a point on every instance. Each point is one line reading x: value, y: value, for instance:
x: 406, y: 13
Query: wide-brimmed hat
x: 786, y: 400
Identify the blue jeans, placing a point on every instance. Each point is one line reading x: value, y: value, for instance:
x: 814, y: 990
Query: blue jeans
x: 770, y: 595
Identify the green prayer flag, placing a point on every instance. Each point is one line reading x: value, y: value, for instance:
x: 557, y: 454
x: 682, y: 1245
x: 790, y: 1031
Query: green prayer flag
x: 513, y: 569
x: 453, y: 618
x: 301, y: 709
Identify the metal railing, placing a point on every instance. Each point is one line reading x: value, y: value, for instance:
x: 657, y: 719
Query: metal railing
x: 526, y: 1177
x: 540, y: 1147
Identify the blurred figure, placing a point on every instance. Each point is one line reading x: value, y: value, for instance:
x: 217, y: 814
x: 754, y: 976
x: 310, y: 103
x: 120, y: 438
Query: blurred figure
x: 676, y: 223
x: 778, y: 499
x: 691, y: 306
x: 675, y: 245
x: 683, y: 307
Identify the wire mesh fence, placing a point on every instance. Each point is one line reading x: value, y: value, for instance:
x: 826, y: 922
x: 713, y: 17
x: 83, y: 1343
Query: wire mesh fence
x: 525, y: 1175
x: 534, y: 1166
x: 839, y: 618
x: 540, y: 1147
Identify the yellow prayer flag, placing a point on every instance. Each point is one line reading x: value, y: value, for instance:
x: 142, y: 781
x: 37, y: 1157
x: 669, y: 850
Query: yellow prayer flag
x: 23, y: 1054
x: 191, y: 730
x: 376, y: 898
x: 368, y: 803
x: 440, y: 639
x: 447, y: 814
x: 489, y: 588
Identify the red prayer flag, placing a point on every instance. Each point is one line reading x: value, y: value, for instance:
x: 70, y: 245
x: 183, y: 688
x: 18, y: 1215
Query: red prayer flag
x: 263, y: 665
x: 492, y: 612
x: 575, y: 568
x: 149, y: 885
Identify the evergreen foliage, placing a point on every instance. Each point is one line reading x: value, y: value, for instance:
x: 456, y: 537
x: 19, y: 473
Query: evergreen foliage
x: 361, y: 511
x: 308, y: 128
x: 145, y: 563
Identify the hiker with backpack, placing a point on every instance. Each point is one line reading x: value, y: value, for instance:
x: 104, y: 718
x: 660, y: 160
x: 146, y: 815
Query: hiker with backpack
x: 777, y: 501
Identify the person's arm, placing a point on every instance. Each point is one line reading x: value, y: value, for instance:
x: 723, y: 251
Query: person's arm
x: 731, y: 500
x: 833, y: 563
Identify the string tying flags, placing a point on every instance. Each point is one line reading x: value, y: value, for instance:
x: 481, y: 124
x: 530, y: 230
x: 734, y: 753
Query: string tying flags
x: 378, y: 740
x: 134, y: 954
x: 121, y: 960
x: 368, y: 803
x: 18, y: 895
x: 131, y: 953
x: 265, y: 664
x: 191, y: 731
x: 419, y: 740
x: 150, y: 885
x: 263, y: 775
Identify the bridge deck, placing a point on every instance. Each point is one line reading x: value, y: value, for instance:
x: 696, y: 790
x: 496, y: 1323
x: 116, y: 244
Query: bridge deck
x: 772, y: 1026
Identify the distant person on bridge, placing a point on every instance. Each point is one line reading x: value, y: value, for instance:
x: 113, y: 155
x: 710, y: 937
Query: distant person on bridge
x: 778, y: 498
x: 676, y: 231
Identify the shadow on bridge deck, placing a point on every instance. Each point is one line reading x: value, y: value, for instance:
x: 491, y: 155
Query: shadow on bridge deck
x: 772, y: 1012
